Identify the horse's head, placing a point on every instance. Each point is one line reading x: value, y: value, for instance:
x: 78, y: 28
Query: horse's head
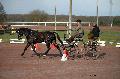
x: 20, y: 33
x: 24, y: 31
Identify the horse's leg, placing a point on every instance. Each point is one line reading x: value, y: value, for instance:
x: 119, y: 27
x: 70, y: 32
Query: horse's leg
x: 33, y: 47
x: 56, y: 45
x: 25, y: 49
x: 76, y: 52
x: 48, y: 48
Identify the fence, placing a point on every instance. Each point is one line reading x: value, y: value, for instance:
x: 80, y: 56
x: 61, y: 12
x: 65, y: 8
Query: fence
x: 39, y: 23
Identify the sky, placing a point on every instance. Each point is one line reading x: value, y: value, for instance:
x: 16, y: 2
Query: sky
x: 79, y: 7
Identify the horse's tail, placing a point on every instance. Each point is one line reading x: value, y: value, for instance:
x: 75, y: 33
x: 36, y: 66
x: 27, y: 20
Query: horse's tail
x: 58, y: 37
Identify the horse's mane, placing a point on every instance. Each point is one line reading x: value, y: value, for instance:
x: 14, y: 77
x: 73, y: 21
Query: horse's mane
x: 27, y: 29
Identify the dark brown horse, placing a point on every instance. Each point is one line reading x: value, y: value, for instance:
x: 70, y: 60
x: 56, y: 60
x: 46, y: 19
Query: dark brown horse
x: 34, y: 37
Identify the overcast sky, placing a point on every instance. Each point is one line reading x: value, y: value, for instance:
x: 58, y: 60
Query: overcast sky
x: 80, y: 7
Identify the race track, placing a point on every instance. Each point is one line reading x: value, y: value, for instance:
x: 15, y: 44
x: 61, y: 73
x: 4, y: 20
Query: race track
x: 13, y: 66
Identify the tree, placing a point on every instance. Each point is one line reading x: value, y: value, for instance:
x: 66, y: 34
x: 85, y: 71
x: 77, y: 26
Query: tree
x: 3, y: 17
x: 37, y: 15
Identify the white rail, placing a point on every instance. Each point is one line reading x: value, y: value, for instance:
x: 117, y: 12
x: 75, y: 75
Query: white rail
x: 37, y: 23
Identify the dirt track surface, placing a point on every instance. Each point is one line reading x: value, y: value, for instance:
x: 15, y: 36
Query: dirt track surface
x: 13, y: 66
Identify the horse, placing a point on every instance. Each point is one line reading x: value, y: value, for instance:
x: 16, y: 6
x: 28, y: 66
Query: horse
x: 34, y: 37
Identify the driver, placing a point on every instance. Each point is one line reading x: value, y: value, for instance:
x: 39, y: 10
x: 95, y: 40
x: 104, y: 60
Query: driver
x: 77, y: 33
x: 94, y: 32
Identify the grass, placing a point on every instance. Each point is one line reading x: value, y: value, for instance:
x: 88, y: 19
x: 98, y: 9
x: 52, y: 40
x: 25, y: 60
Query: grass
x: 5, y: 37
x: 111, y: 36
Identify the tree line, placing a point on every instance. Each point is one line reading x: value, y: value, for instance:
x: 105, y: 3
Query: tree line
x: 42, y: 16
x: 103, y: 20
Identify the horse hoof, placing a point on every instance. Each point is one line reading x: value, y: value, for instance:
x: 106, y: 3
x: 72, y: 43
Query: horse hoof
x: 22, y: 54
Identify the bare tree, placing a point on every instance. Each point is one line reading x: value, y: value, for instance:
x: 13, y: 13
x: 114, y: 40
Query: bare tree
x: 2, y: 14
x: 37, y: 15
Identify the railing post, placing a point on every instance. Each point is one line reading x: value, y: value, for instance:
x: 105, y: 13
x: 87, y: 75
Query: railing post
x: 45, y: 25
x: 89, y: 24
